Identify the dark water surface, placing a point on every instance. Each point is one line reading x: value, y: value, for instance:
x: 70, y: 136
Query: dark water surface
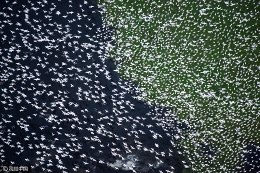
x: 63, y: 107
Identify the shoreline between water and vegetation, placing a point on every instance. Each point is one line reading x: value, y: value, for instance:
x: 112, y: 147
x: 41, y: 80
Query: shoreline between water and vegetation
x: 200, y: 58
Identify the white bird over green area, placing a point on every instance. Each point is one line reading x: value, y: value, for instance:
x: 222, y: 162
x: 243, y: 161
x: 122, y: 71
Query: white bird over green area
x: 148, y: 86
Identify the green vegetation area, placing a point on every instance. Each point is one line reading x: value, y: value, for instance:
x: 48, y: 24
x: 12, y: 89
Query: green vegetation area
x: 200, y: 58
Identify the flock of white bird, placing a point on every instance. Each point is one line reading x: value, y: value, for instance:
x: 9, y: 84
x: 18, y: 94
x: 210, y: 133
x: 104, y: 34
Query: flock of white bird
x: 199, y: 57
x: 64, y: 109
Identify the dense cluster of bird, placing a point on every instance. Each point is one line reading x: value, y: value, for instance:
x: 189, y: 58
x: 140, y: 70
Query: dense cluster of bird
x: 199, y: 57
x: 63, y: 107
